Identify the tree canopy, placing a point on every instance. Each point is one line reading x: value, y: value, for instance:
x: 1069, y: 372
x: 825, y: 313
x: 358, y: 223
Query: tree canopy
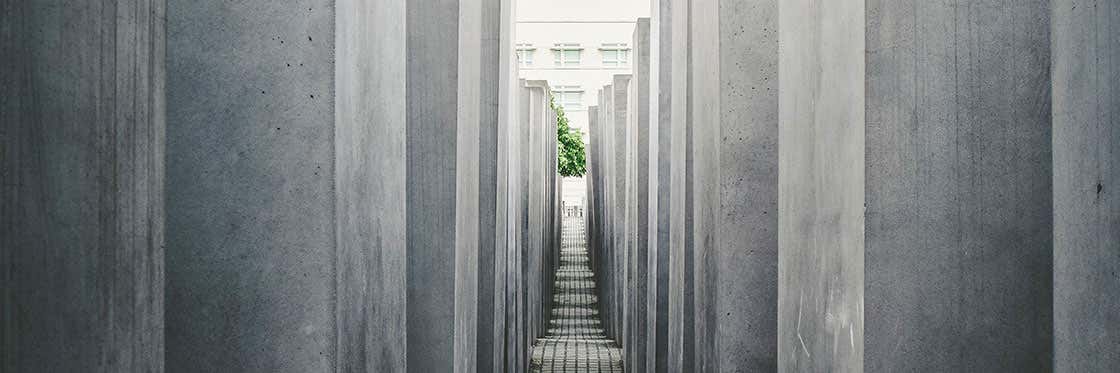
x: 571, y: 156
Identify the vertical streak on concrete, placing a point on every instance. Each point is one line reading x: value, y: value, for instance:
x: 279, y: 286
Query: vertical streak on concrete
x: 681, y: 325
x: 82, y: 197
x: 610, y: 305
x: 660, y: 186
x: 524, y: 165
x: 638, y: 182
x: 821, y: 183
x: 705, y: 121
x: 959, y: 217
x: 736, y: 183
x: 467, y: 227
x: 536, y: 124
x: 370, y: 186
x: 443, y: 153
x: 1085, y: 44
x: 489, y: 231
x: 497, y: 76
x: 254, y: 166
x: 618, y: 109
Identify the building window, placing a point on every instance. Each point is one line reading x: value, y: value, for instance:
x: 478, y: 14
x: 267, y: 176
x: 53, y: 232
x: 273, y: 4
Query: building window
x: 567, y: 54
x: 569, y: 97
x: 615, y: 54
x: 525, y: 54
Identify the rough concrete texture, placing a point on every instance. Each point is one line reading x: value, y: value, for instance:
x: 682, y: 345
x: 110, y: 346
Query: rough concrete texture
x: 536, y: 116
x: 497, y: 78
x: 958, y: 186
x: 660, y: 148
x: 609, y: 287
x: 736, y: 181
x: 638, y: 183
x: 681, y: 337
x: 82, y: 196
x: 619, y: 92
x: 286, y: 191
x: 1086, y: 123
x: 821, y: 183
x: 369, y: 182
x: 517, y: 339
x: 443, y: 93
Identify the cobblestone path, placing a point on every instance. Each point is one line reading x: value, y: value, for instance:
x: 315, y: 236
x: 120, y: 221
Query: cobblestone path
x: 575, y: 341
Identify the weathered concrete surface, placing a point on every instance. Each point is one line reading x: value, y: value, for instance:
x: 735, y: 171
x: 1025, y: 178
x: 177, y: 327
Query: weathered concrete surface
x: 617, y: 103
x: 82, y: 196
x: 638, y: 212
x: 609, y: 302
x: 369, y: 182
x: 1086, y: 125
x: 517, y: 339
x: 821, y: 183
x: 958, y: 187
x: 681, y: 350
x: 660, y: 148
x: 535, y: 121
x: 498, y: 76
x: 736, y: 183
x: 443, y: 93
x: 286, y: 193
x: 955, y: 173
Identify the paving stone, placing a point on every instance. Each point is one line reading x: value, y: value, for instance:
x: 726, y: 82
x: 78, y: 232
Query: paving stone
x: 575, y: 340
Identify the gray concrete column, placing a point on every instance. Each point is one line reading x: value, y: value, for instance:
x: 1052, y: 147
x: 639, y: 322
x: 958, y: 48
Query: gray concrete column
x: 537, y: 116
x: 286, y: 191
x: 821, y: 230
x: 660, y: 148
x: 620, y: 248
x: 82, y: 197
x: 682, y: 339
x: 1086, y: 125
x: 443, y: 182
x: 521, y: 336
x: 916, y: 183
x: 498, y: 76
x: 735, y: 121
x: 638, y: 117
x: 959, y: 216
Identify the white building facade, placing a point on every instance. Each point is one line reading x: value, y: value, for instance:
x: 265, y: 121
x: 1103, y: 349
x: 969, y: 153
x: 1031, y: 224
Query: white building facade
x: 577, y: 46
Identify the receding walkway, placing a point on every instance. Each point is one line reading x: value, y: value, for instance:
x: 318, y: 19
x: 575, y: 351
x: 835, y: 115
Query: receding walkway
x: 575, y: 341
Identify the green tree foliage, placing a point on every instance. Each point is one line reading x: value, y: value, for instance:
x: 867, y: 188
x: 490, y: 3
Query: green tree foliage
x: 571, y: 156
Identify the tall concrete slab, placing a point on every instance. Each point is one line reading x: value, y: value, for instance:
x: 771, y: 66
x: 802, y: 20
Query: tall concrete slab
x: 1086, y: 125
x: 536, y: 109
x: 638, y: 118
x: 82, y: 198
x: 497, y: 78
x: 821, y: 179
x: 921, y: 179
x: 736, y: 183
x: 369, y: 184
x: 443, y: 180
x: 611, y: 310
x: 660, y: 149
x: 958, y: 187
x: 286, y: 196
x: 681, y: 350
x: 618, y: 93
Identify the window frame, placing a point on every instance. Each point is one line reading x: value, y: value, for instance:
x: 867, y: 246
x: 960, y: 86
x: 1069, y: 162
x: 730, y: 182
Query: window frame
x: 559, y: 57
x: 525, y: 50
x: 621, y: 52
x: 563, y: 92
